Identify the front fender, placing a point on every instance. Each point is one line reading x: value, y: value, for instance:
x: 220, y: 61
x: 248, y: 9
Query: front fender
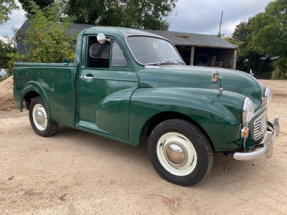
x: 210, y: 109
x: 34, y: 86
x: 112, y: 113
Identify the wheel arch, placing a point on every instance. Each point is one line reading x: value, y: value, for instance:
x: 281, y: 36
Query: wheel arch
x: 29, y: 96
x: 32, y: 90
x: 158, y: 118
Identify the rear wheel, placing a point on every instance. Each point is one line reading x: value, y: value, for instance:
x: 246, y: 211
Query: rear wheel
x: 39, y: 120
x: 180, y: 152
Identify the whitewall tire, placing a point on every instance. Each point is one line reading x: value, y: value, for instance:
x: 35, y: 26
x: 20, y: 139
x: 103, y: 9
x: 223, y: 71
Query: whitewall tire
x: 180, y: 152
x: 39, y: 119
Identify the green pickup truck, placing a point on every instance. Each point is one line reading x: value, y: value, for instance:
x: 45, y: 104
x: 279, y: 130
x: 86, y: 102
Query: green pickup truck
x: 133, y: 86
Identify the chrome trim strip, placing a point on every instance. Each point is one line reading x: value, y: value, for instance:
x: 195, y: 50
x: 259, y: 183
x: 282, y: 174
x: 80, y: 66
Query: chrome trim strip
x: 257, y: 134
x: 256, y: 113
x: 152, y: 67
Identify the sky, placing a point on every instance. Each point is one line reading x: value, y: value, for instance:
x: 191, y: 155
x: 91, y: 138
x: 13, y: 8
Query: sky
x: 203, y: 17
x: 192, y: 16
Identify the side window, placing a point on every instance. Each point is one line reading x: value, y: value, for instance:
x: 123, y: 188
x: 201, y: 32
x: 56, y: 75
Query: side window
x: 98, y: 54
x: 100, y: 50
x: 118, y: 57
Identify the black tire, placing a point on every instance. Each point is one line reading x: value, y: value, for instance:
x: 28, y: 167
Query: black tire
x: 200, y: 143
x: 50, y: 128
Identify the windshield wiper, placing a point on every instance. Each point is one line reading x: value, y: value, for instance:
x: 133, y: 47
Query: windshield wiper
x: 163, y: 62
x: 151, y: 64
x: 167, y: 62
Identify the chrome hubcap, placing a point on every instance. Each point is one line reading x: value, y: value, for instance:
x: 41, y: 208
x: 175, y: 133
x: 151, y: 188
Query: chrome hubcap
x: 40, y: 117
x: 175, y: 154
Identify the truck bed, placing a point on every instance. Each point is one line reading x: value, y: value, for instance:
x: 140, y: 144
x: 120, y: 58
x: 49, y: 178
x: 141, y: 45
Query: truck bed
x: 57, y: 81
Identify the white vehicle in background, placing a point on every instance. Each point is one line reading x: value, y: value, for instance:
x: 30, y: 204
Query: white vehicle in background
x: 3, y: 73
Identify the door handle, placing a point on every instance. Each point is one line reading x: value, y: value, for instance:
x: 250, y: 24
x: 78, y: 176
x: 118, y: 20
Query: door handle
x: 86, y: 78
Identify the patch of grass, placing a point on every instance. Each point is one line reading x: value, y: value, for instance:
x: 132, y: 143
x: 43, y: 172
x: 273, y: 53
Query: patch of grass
x: 278, y: 74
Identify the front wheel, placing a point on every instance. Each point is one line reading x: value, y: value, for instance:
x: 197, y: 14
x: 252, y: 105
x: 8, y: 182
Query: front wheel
x: 180, y: 152
x: 39, y: 120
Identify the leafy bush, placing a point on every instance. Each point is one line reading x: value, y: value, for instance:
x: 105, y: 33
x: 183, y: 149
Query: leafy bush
x: 278, y: 74
x: 49, y: 38
x: 7, y: 47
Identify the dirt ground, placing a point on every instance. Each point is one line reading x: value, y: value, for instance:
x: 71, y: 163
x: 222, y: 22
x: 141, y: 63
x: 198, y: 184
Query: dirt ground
x: 6, y: 96
x: 75, y: 172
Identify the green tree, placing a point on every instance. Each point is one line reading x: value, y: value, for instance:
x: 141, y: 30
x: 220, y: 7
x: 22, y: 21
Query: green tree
x: 42, y: 4
x: 6, y: 7
x: 248, y: 56
x: 270, y: 34
x: 7, y: 45
x: 143, y: 14
x: 7, y: 51
x: 49, y: 37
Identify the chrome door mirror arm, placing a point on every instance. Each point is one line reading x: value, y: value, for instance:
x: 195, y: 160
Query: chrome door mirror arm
x: 215, y: 77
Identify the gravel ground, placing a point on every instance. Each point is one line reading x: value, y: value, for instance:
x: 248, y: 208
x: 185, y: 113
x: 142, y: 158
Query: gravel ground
x: 75, y: 172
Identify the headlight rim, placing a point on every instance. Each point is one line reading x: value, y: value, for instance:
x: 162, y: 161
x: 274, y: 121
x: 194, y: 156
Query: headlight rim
x: 248, y: 106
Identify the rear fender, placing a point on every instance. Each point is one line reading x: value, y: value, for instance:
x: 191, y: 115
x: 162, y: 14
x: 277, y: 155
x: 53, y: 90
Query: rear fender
x: 34, y: 86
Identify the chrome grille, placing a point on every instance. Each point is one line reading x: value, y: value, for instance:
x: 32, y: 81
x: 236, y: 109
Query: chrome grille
x: 260, y: 126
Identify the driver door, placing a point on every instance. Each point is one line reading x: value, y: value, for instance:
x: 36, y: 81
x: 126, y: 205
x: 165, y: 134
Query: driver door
x: 107, y: 81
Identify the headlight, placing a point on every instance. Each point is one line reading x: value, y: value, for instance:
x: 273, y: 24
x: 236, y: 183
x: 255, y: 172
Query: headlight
x: 247, y: 110
x: 268, y: 94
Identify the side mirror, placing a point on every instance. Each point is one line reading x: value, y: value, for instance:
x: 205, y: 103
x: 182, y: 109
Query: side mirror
x: 214, y: 77
x: 101, y: 38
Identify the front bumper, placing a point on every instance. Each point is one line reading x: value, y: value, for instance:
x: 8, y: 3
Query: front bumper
x: 266, y: 147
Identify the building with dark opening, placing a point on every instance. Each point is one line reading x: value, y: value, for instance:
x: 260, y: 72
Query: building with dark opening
x: 195, y: 49
x: 202, y: 49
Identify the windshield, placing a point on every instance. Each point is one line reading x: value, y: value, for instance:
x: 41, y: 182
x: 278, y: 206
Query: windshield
x: 150, y: 50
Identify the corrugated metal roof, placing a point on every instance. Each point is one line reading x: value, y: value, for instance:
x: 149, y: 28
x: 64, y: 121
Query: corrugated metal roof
x: 177, y: 38
x: 199, y: 40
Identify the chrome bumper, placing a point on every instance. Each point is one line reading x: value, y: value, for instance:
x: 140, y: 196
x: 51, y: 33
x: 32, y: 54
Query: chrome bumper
x: 267, y: 148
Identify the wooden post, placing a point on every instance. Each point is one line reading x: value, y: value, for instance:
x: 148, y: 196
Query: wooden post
x: 234, y: 59
x: 192, y: 55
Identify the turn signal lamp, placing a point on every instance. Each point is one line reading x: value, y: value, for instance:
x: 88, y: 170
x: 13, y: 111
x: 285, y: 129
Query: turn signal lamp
x: 244, y: 132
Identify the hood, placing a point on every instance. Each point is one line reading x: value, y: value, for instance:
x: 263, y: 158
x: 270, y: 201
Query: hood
x: 182, y: 76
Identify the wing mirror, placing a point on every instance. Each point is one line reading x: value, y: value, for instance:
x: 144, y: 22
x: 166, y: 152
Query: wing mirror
x: 215, y: 77
x: 101, y: 38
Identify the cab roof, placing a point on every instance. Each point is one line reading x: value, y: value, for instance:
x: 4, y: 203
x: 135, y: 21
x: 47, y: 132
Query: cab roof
x: 116, y: 31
